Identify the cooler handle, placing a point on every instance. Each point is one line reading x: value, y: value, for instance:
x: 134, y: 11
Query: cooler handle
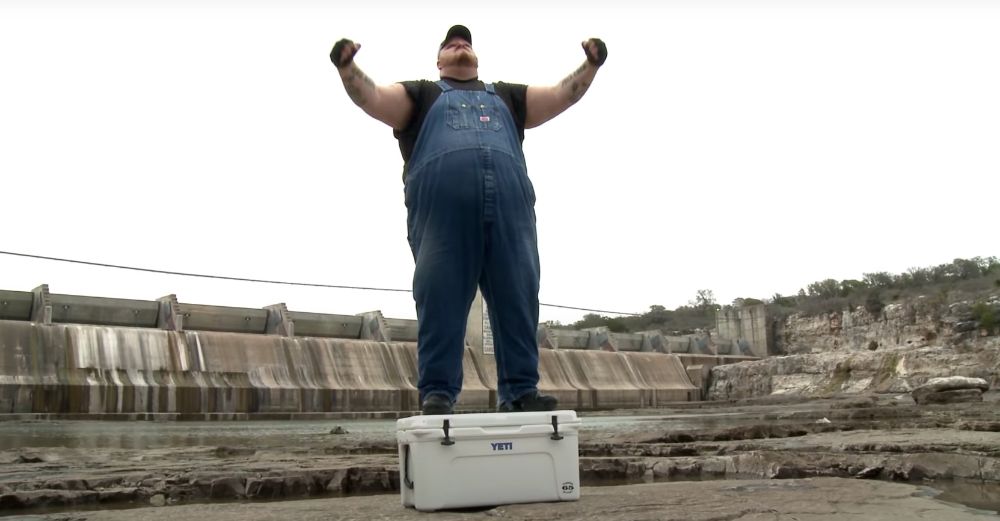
x: 406, y: 467
x: 555, y: 429
x: 447, y: 438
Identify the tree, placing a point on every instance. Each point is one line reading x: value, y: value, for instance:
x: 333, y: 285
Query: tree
x: 851, y: 286
x: 657, y: 315
x: 780, y: 300
x: 590, y: 320
x: 968, y: 268
x: 879, y: 279
x: 705, y: 299
x: 991, y: 265
x: 825, y: 288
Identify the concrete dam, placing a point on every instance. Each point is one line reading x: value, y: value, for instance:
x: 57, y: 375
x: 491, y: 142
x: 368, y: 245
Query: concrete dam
x: 75, y: 356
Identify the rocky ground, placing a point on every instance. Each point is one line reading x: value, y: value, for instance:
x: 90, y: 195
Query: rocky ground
x: 805, y: 459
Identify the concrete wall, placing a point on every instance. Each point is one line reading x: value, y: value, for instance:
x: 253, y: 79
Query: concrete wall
x: 70, y: 354
x: 98, y: 370
x: 747, y: 327
x: 600, y: 338
x: 43, y: 307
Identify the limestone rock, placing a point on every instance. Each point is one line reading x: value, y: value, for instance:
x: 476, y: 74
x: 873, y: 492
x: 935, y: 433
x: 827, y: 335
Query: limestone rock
x: 229, y: 452
x: 868, y: 473
x: 118, y: 495
x: 892, y: 370
x: 943, y: 387
x: 297, y: 486
x: 952, y: 396
x: 227, y: 488
x: 21, y: 458
x: 953, y: 382
x: 65, y: 484
x: 266, y: 488
x: 46, y: 498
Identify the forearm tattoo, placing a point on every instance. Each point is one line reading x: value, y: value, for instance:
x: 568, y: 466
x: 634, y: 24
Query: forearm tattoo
x: 576, y: 85
x: 358, y: 85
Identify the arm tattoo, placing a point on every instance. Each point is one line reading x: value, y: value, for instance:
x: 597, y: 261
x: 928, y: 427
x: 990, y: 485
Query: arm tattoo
x: 358, y: 85
x: 577, y: 87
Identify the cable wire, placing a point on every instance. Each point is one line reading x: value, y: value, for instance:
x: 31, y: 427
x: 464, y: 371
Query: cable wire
x: 264, y: 281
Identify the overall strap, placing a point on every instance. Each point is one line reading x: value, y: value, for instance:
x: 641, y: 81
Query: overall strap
x: 444, y: 85
x: 490, y: 88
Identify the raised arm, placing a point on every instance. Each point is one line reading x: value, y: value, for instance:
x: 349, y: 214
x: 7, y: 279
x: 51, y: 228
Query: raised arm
x: 545, y: 103
x: 386, y: 103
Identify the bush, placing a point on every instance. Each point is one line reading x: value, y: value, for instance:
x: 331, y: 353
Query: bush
x: 820, y: 305
x: 873, y: 304
x: 985, y: 315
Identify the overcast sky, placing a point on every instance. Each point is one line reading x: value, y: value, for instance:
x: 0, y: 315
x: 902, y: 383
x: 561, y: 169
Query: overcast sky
x: 749, y: 148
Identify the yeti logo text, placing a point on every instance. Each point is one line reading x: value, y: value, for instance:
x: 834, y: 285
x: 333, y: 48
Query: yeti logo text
x: 502, y: 445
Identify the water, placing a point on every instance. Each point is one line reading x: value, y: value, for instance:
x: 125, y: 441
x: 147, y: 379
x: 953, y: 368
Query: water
x: 974, y: 494
x: 140, y: 435
x: 160, y: 435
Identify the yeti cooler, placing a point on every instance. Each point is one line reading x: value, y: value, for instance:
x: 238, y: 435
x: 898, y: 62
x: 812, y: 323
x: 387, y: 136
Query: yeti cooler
x: 469, y: 460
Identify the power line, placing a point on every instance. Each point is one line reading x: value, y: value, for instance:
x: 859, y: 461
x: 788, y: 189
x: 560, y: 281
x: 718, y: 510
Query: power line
x: 201, y: 275
x: 263, y: 281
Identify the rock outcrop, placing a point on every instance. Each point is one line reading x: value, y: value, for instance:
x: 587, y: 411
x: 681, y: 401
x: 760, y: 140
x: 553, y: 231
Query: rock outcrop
x: 951, y: 390
x: 898, y: 370
x: 896, y: 350
x: 920, y: 322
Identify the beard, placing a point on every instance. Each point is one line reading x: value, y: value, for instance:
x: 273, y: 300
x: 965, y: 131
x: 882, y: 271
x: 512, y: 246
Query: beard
x: 462, y: 58
x: 467, y: 59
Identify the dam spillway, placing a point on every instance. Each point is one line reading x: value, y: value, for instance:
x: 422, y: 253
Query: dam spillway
x: 256, y: 363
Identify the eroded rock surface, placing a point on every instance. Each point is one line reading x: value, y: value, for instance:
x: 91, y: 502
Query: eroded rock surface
x: 820, y: 499
x: 951, y: 389
x: 879, y: 438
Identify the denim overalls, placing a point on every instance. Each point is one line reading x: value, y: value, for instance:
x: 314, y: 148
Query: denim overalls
x: 471, y: 222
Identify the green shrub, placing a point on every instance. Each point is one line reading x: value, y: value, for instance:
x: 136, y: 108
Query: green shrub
x: 985, y: 315
x: 873, y: 303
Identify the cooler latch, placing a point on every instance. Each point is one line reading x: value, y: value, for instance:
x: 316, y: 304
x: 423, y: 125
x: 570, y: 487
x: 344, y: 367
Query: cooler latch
x: 447, y: 439
x: 406, y: 467
x: 555, y: 429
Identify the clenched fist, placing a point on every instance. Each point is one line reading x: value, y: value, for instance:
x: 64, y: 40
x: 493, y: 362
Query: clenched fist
x: 343, y: 52
x: 596, y: 51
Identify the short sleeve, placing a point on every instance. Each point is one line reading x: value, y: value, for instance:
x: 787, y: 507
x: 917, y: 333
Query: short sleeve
x: 517, y: 95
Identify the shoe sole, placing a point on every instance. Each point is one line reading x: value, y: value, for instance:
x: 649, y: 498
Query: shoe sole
x: 436, y: 413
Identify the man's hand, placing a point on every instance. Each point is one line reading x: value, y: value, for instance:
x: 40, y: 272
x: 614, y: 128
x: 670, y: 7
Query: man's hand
x: 343, y: 52
x: 545, y: 103
x: 389, y: 104
x: 596, y: 51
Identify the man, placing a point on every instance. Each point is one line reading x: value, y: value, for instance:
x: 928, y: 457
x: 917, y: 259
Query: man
x: 470, y: 209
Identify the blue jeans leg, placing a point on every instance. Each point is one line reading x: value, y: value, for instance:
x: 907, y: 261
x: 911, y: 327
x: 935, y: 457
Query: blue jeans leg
x: 444, y: 223
x: 510, y: 281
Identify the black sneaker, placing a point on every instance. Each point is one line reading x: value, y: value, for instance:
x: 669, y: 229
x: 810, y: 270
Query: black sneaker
x: 531, y: 402
x: 436, y: 404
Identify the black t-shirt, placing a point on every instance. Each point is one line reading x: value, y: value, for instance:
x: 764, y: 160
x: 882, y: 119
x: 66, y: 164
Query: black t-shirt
x: 424, y: 93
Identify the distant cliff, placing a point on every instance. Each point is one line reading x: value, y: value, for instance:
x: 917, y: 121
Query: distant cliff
x: 892, y: 349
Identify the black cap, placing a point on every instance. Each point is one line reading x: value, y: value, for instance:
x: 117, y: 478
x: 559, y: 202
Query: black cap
x: 457, y: 31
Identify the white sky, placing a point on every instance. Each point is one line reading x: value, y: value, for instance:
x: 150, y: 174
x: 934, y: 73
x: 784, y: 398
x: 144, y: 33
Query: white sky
x: 744, y: 147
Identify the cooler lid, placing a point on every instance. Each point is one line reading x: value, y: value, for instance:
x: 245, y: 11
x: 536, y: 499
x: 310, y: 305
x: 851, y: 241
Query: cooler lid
x: 498, y: 419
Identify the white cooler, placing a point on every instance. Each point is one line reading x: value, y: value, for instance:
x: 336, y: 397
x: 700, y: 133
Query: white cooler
x: 469, y: 460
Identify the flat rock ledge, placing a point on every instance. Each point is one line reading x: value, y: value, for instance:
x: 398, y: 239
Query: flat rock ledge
x: 952, y: 389
x: 745, y: 500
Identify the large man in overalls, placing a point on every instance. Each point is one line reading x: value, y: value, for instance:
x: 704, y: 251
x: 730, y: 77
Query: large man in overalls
x: 470, y: 209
